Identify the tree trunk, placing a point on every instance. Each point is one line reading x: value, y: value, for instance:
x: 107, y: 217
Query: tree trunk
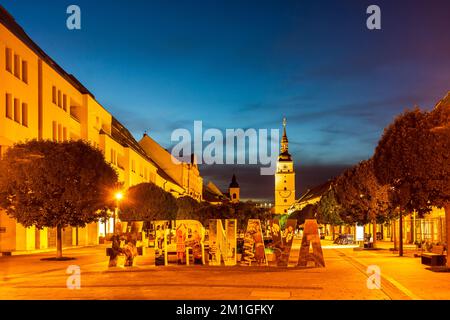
x: 58, y: 242
x: 374, y: 227
x: 447, y: 231
x: 332, y: 232
x: 394, y: 234
x: 400, y: 249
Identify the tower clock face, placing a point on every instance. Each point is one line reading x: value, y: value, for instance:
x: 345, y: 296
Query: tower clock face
x: 285, y: 193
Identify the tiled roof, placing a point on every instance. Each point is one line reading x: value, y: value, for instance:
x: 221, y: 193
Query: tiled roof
x: 445, y: 101
x: 123, y: 136
x: 308, y: 212
x: 315, y: 192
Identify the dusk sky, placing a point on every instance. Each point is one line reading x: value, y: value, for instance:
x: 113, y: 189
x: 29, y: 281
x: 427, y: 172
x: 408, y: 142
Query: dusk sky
x: 160, y: 65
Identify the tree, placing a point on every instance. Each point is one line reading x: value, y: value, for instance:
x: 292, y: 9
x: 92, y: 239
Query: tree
x: 55, y: 185
x: 357, y: 197
x: 413, y: 156
x: 329, y: 210
x: 243, y: 211
x: 148, y: 202
x: 188, y: 208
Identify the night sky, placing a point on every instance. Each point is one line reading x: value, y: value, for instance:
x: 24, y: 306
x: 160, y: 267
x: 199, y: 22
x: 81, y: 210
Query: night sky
x: 160, y: 65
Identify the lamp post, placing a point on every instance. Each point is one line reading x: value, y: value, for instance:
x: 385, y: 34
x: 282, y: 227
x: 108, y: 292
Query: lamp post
x: 118, y: 196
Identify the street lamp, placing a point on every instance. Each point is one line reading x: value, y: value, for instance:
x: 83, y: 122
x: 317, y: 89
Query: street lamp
x: 118, y: 196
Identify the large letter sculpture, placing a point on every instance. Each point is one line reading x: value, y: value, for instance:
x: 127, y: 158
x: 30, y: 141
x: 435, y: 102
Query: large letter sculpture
x: 254, y: 251
x: 189, y: 236
x: 222, y: 242
x: 311, y: 237
x: 282, y: 240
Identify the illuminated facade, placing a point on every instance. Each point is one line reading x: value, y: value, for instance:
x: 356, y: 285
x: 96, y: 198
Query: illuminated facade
x: 39, y: 100
x: 186, y: 175
x: 284, y: 177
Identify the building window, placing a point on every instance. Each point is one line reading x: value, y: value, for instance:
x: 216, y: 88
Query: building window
x: 8, y: 104
x: 234, y: 195
x: 64, y: 134
x: 17, y: 66
x: 285, y: 200
x: 59, y: 132
x: 59, y: 98
x: 65, y: 102
x: 25, y: 114
x: 8, y: 53
x: 17, y: 110
x: 285, y: 188
x: 54, y: 94
x: 55, y: 131
x: 25, y: 71
x: 113, y: 157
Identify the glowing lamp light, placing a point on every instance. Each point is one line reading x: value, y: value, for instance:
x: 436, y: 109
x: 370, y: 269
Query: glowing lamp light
x: 118, y: 196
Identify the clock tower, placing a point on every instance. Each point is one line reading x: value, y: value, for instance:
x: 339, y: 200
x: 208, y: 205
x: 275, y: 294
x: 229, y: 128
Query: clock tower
x: 284, y: 177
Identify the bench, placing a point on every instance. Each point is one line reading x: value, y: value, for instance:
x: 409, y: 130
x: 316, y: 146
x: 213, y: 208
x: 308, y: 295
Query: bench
x: 434, y: 258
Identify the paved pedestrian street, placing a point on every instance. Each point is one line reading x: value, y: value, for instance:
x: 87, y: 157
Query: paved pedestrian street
x: 344, y: 277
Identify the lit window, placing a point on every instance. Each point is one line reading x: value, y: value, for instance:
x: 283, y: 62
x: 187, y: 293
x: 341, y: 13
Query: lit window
x: 8, y: 53
x: 25, y: 114
x: 25, y: 71
x: 17, y: 66
x: 8, y: 106
x: 17, y: 110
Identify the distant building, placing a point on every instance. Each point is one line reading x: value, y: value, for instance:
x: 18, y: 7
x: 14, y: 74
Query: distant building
x: 284, y: 177
x: 234, y: 190
x: 184, y: 174
x: 310, y: 197
x: 213, y: 195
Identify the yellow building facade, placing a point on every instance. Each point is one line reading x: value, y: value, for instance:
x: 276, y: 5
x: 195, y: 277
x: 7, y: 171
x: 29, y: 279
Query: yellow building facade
x: 186, y: 175
x: 284, y: 177
x: 39, y: 100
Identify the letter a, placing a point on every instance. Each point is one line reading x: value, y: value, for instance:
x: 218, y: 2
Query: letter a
x: 374, y: 280
x: 374, y: 21
x: 74, y: 280
x: 74, y: 20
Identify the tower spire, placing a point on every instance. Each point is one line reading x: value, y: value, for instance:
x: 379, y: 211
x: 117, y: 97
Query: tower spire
x: 284, y: 140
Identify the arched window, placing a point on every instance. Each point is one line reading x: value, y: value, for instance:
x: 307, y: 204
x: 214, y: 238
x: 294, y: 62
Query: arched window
x: 234, y: 195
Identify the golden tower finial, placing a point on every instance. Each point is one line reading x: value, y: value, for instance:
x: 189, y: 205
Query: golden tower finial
x: 284, y: 139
